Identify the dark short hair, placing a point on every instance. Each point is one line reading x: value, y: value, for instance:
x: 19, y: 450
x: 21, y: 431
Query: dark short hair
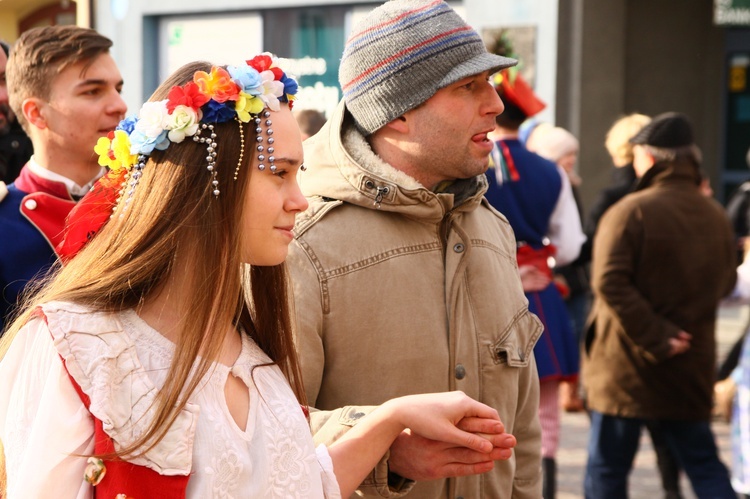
x: 310, y: 121
x: 512, y: 118
x: 40, y: 54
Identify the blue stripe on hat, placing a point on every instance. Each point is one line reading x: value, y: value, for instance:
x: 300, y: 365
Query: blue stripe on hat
x: 372, y: 35
x: 400, y: 64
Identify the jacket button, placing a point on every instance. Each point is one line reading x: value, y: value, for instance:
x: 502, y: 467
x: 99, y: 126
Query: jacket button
x: 460, y: 372
x: 458, y: 247
x: 30, y: 204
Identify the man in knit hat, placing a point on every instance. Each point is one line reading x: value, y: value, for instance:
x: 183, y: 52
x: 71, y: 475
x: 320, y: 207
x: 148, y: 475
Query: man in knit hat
x: 663, y: 258
x: 404, y: 278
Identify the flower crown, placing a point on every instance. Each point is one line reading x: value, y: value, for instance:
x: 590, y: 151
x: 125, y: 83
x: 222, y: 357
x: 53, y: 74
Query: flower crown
x: 237, y: 92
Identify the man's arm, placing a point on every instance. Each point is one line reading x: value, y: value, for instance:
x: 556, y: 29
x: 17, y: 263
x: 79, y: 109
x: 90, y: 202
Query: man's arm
x: 527, y: 478
x: 616, y: 250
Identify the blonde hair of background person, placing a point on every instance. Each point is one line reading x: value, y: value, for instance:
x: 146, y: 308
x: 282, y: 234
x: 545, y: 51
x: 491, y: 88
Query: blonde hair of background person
x: 619, y: 135
x: 175, y: 221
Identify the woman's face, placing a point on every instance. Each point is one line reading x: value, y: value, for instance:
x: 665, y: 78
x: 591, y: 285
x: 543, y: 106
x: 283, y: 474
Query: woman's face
x: 273, y: 200
x: 568, y: 162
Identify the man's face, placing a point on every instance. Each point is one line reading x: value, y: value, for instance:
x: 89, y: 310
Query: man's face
x: 4, y: 107
x: 449, y: 131
x: 82, y: 106
x: 642, y: 160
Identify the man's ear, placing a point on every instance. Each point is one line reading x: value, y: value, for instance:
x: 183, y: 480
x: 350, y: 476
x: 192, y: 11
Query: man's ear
x: 400, y: 124
x: 33, y: 111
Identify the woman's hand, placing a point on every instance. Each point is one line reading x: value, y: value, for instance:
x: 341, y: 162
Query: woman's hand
x: 450, y: 417
x: 468, y: 434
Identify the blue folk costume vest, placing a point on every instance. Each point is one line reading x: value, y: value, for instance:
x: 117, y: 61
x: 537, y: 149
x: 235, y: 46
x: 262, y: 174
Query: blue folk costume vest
x: 32, y: 217
x: 525, y: 188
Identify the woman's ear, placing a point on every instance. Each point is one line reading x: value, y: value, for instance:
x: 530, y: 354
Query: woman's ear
x: 33, y: 111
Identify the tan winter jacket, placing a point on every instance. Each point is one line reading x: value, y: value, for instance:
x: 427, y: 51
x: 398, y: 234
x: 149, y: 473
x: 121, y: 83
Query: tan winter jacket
x: 398, y: 291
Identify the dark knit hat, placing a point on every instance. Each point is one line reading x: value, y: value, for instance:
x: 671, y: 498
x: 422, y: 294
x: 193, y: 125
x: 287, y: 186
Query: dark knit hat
x: 668, y: 130
x: 404, y: 51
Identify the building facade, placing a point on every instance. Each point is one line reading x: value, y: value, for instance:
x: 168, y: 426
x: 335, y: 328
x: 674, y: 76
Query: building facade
x: 591, y: 61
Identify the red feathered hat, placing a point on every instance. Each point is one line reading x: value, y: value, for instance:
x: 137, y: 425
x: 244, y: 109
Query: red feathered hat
x: 514, y: 89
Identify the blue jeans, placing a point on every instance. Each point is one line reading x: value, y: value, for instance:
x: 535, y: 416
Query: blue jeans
x: 613, y: 442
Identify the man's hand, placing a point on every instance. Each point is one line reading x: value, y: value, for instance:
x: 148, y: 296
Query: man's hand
x: 418, y: 458
x: 532, y: 279
x: 680, y: 343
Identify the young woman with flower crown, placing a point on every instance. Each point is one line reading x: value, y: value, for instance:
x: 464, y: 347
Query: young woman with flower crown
x: 142, y: 368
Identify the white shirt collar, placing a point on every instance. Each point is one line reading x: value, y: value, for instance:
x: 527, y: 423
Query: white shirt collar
x: 73, y: 188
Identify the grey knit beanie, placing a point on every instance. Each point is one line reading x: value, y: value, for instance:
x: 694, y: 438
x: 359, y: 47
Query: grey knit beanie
x: 403, y: 52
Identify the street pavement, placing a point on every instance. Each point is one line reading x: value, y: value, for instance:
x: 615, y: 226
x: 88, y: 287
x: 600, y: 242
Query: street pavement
x: 644, y: 481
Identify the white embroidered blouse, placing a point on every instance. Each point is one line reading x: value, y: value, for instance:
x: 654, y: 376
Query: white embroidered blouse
x: 120, y: 363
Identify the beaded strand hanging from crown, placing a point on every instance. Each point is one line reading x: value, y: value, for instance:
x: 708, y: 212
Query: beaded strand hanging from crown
x: 245, y: 92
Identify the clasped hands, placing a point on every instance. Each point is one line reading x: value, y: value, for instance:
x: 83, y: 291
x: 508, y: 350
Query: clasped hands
x: 471, y: 446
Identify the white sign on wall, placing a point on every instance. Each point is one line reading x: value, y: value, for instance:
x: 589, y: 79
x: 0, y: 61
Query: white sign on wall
x: 218, y: 39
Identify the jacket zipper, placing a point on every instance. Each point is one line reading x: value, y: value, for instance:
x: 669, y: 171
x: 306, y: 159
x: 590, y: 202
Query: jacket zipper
x: 445, y: 227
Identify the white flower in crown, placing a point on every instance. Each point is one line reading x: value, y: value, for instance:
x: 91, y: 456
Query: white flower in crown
x: 152, y: 118
x: 183, y: 122
x: 272, y: 90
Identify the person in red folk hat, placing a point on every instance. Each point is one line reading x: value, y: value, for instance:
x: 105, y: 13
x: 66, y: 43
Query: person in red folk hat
x: 159, y: 360
x: 64, y: 88
x: 536, y: 197
x: 663, y: 258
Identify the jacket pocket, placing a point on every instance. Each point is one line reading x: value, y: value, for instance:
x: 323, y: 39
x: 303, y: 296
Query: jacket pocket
x: 517, y: 340
x: 350, y: 415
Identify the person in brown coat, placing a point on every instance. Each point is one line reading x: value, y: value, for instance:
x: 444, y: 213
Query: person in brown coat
x: 663, y: 258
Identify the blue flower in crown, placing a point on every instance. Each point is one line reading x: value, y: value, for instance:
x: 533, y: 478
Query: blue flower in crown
x: 247, y: 78
x: 128, y: 124
x: 290, y: 85
x: 140, y: 143
x: 217, y: 112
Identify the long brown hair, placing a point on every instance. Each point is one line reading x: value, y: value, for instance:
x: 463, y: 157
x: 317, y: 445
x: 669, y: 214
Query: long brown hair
x: 173, y: 211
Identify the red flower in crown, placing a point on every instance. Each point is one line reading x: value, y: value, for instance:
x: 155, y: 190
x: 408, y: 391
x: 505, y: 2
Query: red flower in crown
x: 260, y: 62
x: 263, y: 63
x: 188, y: 95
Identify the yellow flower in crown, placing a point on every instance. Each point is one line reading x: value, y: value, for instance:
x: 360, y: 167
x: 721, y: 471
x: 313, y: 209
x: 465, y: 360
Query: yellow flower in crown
x: 218, y: 84
x: 248, y: 104
x: 114, y: 151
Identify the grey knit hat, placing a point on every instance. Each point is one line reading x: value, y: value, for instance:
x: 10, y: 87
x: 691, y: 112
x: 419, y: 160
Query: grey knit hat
x: 403, y: 52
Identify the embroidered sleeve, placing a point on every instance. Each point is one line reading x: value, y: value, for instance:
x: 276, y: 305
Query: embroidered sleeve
x: 330, y: 484
x: 43, y: 422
